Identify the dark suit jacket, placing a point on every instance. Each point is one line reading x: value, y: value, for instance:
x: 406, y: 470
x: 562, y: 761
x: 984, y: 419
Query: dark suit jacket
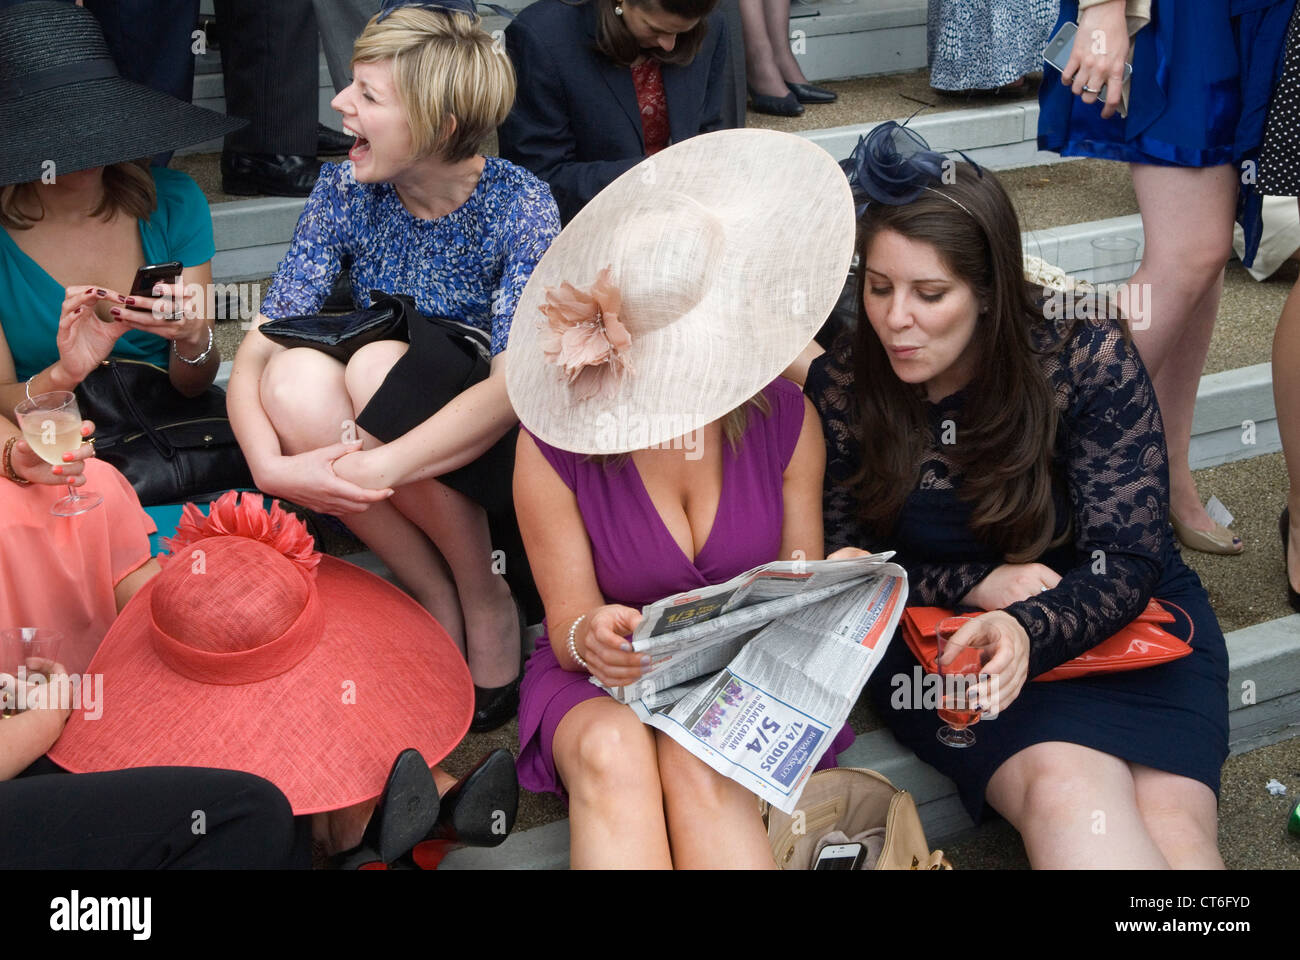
x: 575, y: 122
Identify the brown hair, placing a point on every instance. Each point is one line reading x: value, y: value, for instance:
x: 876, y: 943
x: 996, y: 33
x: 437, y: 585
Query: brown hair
x: 128, y: 187
x: 1008, y: 431
x: 615, y: 41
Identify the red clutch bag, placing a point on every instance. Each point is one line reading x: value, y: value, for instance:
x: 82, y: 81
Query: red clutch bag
x: 1143, y: 643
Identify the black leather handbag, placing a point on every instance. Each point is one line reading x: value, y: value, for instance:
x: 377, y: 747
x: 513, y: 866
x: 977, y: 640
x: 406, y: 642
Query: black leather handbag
x: 171, y: 448
x: 342, y: 335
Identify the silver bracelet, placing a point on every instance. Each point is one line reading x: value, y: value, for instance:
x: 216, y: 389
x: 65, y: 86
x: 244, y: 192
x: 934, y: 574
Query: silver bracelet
x: 573, y: 646
x: 28, y: 385
x: 200, y: 358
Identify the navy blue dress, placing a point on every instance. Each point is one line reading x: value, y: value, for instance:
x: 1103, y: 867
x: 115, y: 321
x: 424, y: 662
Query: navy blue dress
x: 1113, y: 488
x: 1203, y: 73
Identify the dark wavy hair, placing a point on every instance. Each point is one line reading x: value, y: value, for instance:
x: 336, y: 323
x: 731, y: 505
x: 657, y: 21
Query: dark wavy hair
x: 1007, y: 432
x: 615, y: 41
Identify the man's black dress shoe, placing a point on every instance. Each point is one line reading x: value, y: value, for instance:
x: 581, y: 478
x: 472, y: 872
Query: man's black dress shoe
x: 786, y: 106
x: 407, y: 811
x: 1284, y: 528
x: 807, y: 93
x: 268, y: 174
x: 331, y: 142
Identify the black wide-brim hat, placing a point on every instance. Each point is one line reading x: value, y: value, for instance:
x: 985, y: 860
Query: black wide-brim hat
x: 62, y: 100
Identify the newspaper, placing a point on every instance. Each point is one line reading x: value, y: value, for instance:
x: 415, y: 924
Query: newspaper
x: 786, y: 649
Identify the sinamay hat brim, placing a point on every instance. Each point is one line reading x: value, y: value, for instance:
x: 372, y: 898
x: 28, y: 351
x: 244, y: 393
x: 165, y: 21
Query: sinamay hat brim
x: 87, y: 123
x: 383, y: 676
x: 778, y: 213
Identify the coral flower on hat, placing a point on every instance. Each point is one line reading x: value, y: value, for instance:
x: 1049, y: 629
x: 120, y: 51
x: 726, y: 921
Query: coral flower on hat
x: 584, y: 336
x: 233, y: 516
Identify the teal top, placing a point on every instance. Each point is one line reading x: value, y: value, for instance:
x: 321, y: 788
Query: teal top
x: 179, y: 229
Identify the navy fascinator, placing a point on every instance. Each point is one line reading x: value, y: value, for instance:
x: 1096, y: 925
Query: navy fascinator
x: 893, y: 164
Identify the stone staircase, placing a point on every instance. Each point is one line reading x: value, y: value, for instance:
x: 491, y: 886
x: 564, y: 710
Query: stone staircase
x: 867, y: 38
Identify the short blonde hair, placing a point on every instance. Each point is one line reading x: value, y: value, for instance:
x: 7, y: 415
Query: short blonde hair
x: 444, y: 65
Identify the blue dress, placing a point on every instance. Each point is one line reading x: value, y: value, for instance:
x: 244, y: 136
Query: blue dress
x: 1112, y: 486
x: 469, y: 266
x: 988, y: 43
x: 1203, y: 73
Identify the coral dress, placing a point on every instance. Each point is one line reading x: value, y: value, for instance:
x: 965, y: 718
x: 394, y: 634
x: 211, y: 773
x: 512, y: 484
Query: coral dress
x: 637, y: 561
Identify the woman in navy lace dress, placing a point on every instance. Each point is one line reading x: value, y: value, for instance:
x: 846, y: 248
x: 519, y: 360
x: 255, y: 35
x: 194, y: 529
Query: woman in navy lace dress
x: 1015, y: 460
x: 418, y: 211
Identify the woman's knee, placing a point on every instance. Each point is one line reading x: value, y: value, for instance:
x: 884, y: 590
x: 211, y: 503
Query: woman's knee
x: 1055, y: 783
x: 606, y: 755
x: 302, y: 391
x: 368, y: 367
x: 685, y: 776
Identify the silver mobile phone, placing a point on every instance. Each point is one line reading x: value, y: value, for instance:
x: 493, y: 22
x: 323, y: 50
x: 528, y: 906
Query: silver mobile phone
x: 1057, y: 52
x: 840, y: 856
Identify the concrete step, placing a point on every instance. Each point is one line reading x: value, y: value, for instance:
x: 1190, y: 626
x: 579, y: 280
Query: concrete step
x: 1264, y: 708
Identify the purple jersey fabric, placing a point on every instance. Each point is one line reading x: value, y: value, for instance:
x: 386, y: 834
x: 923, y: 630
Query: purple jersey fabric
x: 638, y: 562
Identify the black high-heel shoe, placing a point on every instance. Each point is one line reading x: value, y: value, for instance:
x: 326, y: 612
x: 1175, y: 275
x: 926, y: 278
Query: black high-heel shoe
x: 1284, y: 528
x: 807, y: 93
x: 787, y: 106
x: 479, y: 811
x: 408, y: 809
x: 495, y: 706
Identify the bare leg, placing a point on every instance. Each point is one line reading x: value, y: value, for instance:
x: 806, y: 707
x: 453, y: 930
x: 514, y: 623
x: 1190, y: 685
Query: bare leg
x: 304, y: 395
x: 761, y: 69
x: 777, y: 15
x: 458, y: 528
x: 606, y: 758
x: 1187, y: 218
x: 713, y: 822
x: 1286, y: 398
x: 1075, y: 808
x: 1182, y: 817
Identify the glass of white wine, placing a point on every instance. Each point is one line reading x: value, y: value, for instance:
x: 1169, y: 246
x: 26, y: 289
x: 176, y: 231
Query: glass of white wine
x: 51, y: 425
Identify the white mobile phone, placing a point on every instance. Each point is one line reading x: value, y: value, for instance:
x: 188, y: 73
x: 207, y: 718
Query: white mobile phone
x: 1057, y: 52
x: 841, y: 856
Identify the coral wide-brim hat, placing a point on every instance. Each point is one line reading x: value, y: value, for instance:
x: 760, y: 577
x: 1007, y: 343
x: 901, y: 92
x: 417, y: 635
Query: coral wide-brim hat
x: 680, y: 291
x: 251, y: 651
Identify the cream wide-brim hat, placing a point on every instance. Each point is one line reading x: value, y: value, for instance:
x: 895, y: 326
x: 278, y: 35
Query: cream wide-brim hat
x: 729, y: 251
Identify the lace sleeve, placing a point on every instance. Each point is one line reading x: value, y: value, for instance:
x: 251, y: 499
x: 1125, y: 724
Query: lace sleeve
x: 1118, y: 478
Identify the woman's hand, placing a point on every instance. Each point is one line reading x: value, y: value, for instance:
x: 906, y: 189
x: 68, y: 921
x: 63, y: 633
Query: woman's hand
x: 1011, y: 583
x: 848, y: 553
x: 1098, y: 55
x: 601, y: 640
x: 308, y: 479
x: 83, y: 339
x: 365, y: 468
x: 31, y: 467
x: 170, y: 314
x: 53, y: 696
x: 1004, y: 665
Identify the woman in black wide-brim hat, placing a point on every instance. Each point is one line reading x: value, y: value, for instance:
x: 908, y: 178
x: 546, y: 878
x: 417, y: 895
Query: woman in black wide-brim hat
x: 80, y: 213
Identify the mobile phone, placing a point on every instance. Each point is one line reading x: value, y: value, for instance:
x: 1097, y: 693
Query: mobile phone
x: 841, y: 856
x: 153, y: 273
x: 1057, y: 52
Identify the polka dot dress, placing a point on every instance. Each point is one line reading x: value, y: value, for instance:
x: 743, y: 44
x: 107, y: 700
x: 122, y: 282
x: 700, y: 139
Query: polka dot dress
x: 1279, y: 158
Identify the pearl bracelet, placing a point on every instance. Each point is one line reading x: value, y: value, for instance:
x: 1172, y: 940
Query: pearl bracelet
x: 200, y: 358
x: 573, y: 646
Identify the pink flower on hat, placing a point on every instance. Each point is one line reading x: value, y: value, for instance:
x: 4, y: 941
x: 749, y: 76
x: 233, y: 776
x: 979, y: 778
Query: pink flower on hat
x: 584, y: 336
x: 236, y: 515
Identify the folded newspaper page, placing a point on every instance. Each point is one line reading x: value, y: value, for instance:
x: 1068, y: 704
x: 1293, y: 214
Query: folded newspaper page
x: 794, y: 641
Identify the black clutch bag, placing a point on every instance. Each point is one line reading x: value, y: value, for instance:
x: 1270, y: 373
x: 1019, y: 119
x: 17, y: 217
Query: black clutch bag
x: 342, y: 335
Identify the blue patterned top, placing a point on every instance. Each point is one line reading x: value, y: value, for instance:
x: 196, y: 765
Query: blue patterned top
x: 470, y: 265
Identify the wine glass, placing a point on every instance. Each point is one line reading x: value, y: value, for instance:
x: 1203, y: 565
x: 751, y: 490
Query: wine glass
x: 955, y: 677
x: 51, y: 425
x: 19, y: 648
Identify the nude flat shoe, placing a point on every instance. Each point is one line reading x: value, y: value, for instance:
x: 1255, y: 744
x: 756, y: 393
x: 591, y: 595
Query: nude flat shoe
x: 1220, y: 540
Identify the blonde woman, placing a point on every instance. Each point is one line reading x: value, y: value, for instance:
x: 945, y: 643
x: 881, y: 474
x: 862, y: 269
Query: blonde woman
x: 417, y: 211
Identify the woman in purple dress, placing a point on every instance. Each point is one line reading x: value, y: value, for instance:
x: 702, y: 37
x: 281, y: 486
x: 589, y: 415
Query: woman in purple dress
x: 664, y: 455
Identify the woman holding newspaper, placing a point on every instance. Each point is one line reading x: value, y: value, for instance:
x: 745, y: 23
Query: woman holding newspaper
x: 1017, y: 463
x: 662, y: 452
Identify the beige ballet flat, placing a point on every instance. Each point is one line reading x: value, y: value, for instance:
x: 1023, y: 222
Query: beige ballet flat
x: 1220, y: 540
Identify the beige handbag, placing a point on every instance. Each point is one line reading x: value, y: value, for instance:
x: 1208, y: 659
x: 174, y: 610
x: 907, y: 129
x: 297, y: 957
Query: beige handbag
x: 852, y: 800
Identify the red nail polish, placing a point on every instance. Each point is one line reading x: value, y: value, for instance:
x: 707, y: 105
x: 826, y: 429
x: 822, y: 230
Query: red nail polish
x: 90, y: 290
x: 115, y: 312
x: 129, y: 301
x: 68, y: 458
x: 57, y: 471
x: 102, y: 293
